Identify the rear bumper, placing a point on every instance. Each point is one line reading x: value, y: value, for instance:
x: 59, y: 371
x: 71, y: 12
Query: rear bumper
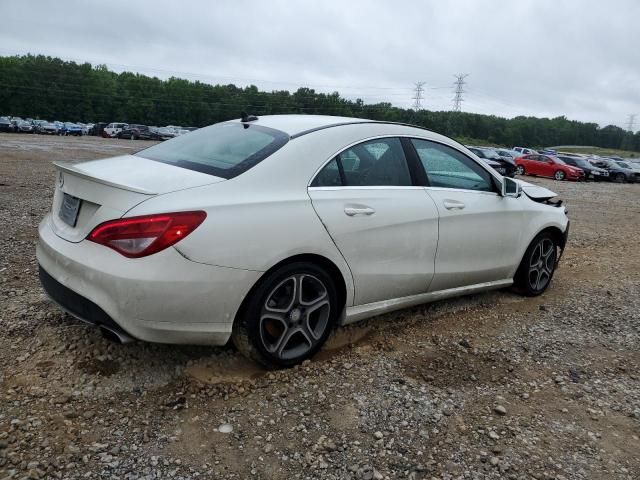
x: 162, y: 298
x: 78, y: 306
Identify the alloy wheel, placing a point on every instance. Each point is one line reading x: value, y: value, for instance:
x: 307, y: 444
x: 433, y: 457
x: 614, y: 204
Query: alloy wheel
x: 295, y: 316
x: 520, y: 170
x: 559, y: 175
x: 542, y: 264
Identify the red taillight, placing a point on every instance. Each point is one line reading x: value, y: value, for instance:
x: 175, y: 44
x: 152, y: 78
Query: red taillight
x: 136, y: 237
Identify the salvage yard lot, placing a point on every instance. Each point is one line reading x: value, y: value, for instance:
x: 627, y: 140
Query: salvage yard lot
x: 488, y: 386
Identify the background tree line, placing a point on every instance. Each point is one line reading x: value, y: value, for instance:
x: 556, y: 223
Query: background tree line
x: 53, y: 89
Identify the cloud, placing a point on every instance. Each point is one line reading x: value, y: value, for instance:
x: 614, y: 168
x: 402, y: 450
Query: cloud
x: 526, y: 57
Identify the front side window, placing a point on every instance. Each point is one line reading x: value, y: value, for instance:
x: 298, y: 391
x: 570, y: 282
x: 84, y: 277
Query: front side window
x: 449, y: 168
x: 225, y: 149
x: 378, y: 162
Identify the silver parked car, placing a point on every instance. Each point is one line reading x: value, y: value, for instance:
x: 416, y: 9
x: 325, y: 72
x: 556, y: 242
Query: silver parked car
x: 273, y: 231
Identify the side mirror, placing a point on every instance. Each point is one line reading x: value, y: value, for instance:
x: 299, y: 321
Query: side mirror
x: 510, y: 188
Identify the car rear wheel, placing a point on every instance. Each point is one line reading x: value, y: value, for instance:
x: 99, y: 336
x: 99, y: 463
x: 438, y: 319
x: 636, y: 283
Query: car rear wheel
x: 520, y: 170
x: 288, y: 316
x: 538, y: 265
x: 559, y: 175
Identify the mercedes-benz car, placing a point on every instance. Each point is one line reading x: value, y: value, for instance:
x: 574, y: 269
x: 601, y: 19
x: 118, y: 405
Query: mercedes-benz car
x: 272, y: 231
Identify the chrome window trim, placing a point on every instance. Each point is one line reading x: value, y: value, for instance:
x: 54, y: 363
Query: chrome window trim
x: 462, y: 190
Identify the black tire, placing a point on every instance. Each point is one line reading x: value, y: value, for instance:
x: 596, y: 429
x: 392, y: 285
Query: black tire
x: 276, y: 326
x: 541, y: 255
x: 520, y: 170
x: 559, y: 175
x: 620, y: 178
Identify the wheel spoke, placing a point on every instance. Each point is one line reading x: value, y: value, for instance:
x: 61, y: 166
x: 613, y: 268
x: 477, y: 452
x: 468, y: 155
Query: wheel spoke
x: 267, y: 330
x: 534, y: 283
x: 316, y: 331
x: 285, y: 292
x: 535, y: 256
x: 284, y: 349
x: 543, y: 279
x: 310, y: 287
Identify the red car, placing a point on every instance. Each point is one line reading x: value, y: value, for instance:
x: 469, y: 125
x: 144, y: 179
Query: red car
x: 547, y: 166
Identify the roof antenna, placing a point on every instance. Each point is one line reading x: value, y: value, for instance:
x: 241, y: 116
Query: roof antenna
x: 244, y: 117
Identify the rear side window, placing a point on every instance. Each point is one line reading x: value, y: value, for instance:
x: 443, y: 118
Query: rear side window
x: 378, y: 162
x: 225, y: 150
x: 449, y: 168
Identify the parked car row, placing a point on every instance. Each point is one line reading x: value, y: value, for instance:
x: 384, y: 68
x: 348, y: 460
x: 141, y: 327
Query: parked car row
x: 107, y: 130
x: 141, y: 132
x: 504, y: 165
x: 29, y: 125
x: 559, y: 165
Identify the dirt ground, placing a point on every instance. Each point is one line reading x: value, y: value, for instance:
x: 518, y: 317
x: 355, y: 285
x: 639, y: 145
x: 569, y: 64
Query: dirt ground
x: 488, y: 386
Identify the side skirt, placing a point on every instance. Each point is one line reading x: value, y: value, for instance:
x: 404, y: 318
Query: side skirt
x: 360, y: 312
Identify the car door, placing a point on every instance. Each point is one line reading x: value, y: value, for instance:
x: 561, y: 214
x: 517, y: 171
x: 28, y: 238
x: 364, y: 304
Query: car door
x: 546, y: 166
x: 384, y: 225
x: 479, y: 230
x: 537, y: 165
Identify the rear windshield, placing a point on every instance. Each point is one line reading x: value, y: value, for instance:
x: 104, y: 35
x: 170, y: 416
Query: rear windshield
x: 225, y: 150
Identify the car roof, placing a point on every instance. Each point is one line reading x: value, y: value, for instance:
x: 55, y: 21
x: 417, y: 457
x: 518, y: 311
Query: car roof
x: 296, y: 125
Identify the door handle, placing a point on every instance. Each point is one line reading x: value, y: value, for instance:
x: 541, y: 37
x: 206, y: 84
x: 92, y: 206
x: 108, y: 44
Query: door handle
x: 453, y: 205
x: 353, y: 211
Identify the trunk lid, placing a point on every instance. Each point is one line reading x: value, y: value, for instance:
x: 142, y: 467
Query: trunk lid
x: 108, y: 188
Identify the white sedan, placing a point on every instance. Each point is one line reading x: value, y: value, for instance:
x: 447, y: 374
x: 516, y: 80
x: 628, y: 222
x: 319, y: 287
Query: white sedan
x: 274, y: 230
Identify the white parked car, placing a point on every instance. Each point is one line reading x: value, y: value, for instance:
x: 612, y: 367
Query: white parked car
x: 523, y: 151
x: 273, y: 231
x: 115, y: 128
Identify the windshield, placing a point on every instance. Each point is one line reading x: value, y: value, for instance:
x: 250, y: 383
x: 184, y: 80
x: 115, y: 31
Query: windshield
x: 582, y: 163
x: 557, y: 160
x: 491, y: 154
x: 623, y: 164
x: 224, y: 150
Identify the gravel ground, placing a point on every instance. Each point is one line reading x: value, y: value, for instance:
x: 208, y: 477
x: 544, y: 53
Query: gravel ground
x: 490, y: 386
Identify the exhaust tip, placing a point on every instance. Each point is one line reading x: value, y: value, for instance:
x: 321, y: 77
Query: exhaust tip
x: 114, y: 336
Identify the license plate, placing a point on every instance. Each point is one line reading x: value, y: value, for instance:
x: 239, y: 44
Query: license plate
x: 69, y: 209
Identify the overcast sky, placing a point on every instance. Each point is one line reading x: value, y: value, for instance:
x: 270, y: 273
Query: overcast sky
x: 578, y: 58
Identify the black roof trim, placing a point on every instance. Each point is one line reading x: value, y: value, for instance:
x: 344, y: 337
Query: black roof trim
x: 311, y: 130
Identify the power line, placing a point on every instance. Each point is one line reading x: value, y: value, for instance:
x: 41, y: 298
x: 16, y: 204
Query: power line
x: 459, y: 90
x: 631, y: 122
x: 417, y: 95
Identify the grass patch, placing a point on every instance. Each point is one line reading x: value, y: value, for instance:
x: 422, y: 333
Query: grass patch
x: 603, y: 152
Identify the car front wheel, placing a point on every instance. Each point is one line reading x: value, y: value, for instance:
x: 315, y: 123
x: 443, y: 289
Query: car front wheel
x: 288, y: 317
x: 538, y: 265
x: 559, y: 175
x: 520, y: 170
